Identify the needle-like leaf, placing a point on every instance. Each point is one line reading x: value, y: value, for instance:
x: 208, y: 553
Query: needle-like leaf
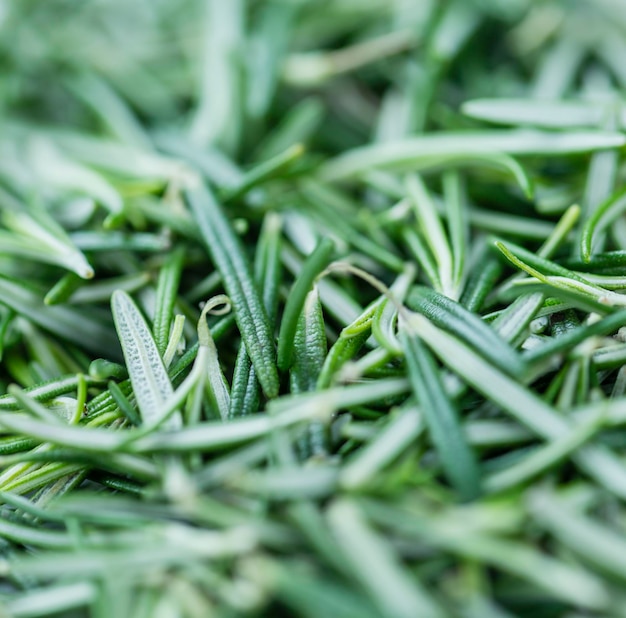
x: 151, y: 384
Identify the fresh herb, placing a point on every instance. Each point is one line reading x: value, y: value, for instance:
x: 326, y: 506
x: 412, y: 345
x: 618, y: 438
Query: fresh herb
x: 312, y: 308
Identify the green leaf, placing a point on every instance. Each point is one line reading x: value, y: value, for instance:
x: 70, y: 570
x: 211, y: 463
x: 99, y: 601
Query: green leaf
x: 315, y: 263
x: 452, y: 317
x: 441, y: 418
x: 539, y: 112
x: 602, y: 217
x: 229, y: 257
x: 452, y: 149
x: 151, y: 384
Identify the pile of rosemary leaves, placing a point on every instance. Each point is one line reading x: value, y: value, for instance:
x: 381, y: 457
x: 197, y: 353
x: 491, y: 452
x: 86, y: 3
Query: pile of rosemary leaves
x: 312, y: 308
